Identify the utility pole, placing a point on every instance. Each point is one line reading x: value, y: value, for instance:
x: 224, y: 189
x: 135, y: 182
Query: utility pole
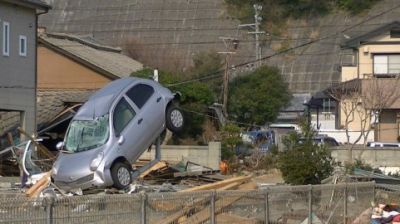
x: 231, y: 44
x: 256, y: 32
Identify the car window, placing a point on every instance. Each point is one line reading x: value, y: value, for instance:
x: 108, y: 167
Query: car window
x: 123, y: 114
x: 139, y: 94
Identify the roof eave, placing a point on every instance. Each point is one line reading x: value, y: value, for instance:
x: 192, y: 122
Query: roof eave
x: 29, y: 4
x: 357, y: 41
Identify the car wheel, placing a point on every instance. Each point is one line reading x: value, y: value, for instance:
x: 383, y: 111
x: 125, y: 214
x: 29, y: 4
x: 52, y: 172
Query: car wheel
x: 174, y: 119
x: 121, y: 175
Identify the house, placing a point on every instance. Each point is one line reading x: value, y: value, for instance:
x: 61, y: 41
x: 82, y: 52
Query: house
x: 18, y: 29
x: 73, y: 62
x: 369, y: 94
x: 70, y: 69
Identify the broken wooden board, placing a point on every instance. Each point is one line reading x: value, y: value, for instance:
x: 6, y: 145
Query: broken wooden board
x: 219, y: 184
x: 39, y: 186
x: 157, y: 166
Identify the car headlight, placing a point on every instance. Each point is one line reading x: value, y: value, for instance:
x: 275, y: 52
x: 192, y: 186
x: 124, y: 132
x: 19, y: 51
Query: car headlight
x: 96, y: 161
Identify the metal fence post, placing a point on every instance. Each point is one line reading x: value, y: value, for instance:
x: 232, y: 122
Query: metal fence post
x: 49, y: 202
x: 266, y: 197
x: 345, y: 204
x: 143, y: 208
x: 310, y: 191
x: 212, y: 207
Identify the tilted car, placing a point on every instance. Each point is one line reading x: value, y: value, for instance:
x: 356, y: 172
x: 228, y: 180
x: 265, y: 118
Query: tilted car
x: 111, y: 130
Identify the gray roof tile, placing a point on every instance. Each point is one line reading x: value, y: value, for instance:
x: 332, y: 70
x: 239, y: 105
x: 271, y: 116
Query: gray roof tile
x: 107, y: 59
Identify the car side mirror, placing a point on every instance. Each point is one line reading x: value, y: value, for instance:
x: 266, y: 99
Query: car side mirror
x: 121, y: 140
x: 60, y: 145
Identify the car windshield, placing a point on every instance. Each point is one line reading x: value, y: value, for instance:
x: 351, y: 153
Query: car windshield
x: 85, y: 135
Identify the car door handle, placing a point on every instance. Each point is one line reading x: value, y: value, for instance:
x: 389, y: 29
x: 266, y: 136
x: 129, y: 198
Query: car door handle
x: 158, y: 99
x: 140, y: 121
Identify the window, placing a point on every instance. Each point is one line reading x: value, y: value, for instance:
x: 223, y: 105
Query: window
x: 123, y: 114
x: 85, y: 135
x: 386, y: 64
x: 22, y: 45
x: 140, y: 93
x: 6, y: 39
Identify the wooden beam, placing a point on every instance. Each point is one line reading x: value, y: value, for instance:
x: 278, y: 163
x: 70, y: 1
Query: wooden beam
x: 38, y: 186
x: 219, y: 184
x: 220, y: 204
x: 156, y: 166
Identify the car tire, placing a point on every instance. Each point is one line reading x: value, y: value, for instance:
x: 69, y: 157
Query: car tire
x: 121, y: 175
x: 174, y: 119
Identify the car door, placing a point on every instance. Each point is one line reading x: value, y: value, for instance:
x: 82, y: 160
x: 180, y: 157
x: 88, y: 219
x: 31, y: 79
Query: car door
x: 152, y: 109
x: 128, y: 128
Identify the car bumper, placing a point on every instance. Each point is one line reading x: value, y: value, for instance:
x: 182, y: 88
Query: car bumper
x: 88, y: 181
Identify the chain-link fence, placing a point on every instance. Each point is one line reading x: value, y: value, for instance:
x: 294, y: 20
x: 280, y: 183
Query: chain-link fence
x: 339, y: 203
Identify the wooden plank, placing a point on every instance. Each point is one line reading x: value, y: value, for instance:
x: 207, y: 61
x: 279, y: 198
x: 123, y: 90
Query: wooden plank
x: 44, y: 181
x: 234, y: 219
x: 219, y: 184
x: 230, y: 186
x: 157, y: 166
x: 204, y: 214
x: 10, y: 138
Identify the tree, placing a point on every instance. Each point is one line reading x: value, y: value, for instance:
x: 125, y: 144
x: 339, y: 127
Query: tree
x: 304, y: 161
x: 195, y: 99
x: 257, y: 97
x: 231, y: 136
x: 348, y: 98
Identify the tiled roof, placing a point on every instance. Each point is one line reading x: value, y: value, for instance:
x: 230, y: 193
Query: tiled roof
x: 106, y: 60
x: 50, y: 104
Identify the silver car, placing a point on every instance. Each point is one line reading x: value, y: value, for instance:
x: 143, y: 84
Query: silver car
x: 111, y: 130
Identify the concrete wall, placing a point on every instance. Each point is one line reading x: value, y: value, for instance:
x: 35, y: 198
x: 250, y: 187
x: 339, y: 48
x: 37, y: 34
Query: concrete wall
x: 17, y: 72
x: 349, y: 73
x: 209, y: 156
x: 379, y: 157
x: 56, y: 71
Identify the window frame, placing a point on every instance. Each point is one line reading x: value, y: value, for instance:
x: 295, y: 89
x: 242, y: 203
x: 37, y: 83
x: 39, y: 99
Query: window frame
x: 116, y: 133
x: 388, y: 73
x: 24, y: 45
x: 6, y: 38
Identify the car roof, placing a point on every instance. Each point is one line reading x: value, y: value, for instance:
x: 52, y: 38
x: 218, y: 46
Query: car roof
x: 100, y: 102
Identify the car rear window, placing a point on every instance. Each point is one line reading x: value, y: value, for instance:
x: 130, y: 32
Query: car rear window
x: 140, y: 93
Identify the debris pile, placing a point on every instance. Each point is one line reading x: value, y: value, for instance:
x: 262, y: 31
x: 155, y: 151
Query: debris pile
x: 187, y: 174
